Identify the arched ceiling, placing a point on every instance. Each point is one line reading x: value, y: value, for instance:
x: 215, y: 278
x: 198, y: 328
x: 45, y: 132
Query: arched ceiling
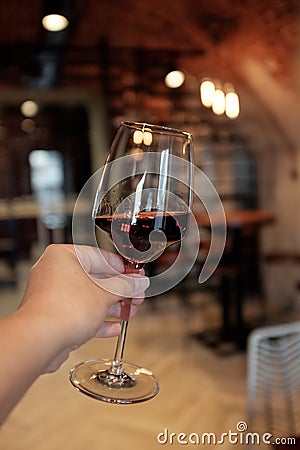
x: 208, y: 37
x: 125, y: 47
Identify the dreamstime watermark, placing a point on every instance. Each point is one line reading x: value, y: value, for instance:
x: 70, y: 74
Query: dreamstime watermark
x: 239, y: 436
x: 83, y: 225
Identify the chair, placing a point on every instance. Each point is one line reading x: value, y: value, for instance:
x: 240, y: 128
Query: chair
x: 274, y: 380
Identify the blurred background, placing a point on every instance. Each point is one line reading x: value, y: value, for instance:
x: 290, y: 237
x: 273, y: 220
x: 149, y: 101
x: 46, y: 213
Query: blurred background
x: 226, y: 71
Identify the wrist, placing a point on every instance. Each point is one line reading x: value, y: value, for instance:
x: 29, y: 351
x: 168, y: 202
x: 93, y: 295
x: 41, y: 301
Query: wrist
x: 39, y: 333
x: 28, y: 345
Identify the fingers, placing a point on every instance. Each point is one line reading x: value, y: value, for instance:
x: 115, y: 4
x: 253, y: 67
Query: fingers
x: 108, y: 329
x: 101, y: 265
x: 116, y: 311
x: 137, y: 300
x: 124, y: 286
x: 96, y: 261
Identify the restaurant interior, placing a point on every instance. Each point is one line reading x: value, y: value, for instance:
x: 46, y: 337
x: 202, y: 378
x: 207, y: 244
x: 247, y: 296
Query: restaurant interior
x: 226, y: 351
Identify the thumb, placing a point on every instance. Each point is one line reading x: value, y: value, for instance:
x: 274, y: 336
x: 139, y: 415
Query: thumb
x: 124, y: 286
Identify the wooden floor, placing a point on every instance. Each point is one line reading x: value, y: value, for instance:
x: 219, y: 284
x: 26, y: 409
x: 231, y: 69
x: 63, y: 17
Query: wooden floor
x: 200, y: 392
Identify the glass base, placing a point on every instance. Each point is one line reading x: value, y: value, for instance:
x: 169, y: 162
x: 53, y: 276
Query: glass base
x: 94, y: 378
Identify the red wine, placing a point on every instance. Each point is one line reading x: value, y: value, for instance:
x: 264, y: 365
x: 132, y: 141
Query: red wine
x: 139, y: 227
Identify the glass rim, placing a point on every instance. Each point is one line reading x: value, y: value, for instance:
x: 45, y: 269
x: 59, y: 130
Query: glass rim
x: 143, y: 126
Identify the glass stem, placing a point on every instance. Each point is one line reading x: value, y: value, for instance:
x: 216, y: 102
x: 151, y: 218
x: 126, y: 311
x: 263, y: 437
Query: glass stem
x: 116, y: 367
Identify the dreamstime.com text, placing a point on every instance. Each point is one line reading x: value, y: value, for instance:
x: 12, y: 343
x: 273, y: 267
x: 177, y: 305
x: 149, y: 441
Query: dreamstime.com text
x: 240, y: 436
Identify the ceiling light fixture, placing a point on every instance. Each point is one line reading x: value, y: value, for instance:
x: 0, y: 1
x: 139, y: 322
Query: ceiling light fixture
x: 174, y: 79
x: 232, y: 108
x: 140, y: 137
x: 55, y: 22
x: 218, y: 103
x: 207, y: 90
x: 29, y: 108
x: 220, y: 99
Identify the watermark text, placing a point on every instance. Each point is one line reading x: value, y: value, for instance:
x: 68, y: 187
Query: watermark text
x: 240, y: 436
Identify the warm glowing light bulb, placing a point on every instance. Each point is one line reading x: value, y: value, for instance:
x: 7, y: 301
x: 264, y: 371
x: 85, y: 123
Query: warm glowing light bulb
x: 218, y: 104
x: 142, y: 137
x: 232, y: 108
x: 174, y: 79
x: 55, y: 22
x: 138, y: 137
x: 29, y: 108
x: 207, y: 90
x: 148, y: 138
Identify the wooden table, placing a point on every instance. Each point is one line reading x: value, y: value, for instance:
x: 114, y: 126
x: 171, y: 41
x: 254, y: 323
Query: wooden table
x: 237, y: 218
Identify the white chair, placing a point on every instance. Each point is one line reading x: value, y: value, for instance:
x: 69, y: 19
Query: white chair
x: 274, y: 380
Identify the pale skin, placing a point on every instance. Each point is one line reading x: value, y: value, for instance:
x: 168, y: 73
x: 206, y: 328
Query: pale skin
x: 62, y: 308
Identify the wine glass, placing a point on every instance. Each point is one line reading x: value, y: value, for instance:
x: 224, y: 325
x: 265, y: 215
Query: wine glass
x: 143, y: 203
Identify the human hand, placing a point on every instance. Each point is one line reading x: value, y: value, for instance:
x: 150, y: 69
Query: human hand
x: 72, y: 303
